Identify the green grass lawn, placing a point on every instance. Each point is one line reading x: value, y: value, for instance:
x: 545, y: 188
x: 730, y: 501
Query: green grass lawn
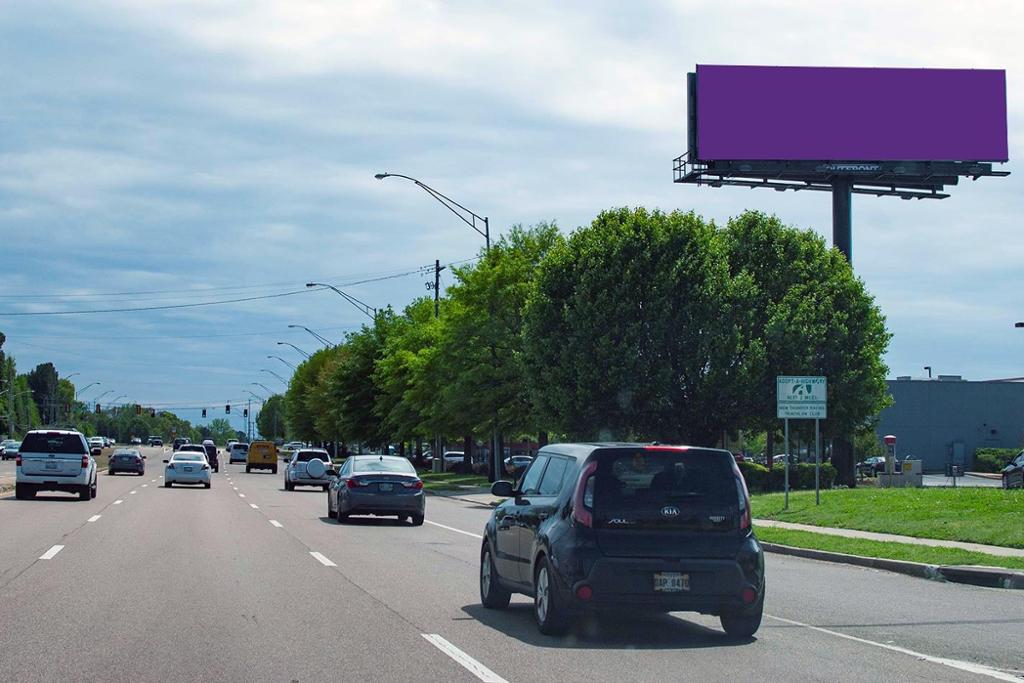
x: 892, y: 551
x: 439, y: 481
x: 977, y: 515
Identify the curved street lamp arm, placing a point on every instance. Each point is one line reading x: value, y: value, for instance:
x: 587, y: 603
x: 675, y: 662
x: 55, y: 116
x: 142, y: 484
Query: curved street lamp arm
x: 449, y: 204
x: 366, y: 308
x: 295, y: 347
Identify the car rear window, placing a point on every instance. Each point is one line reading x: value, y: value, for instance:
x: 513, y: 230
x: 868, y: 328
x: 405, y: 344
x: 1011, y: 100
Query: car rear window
x: 240, y: 446
x: 188, y: 457
x: 399, y: 465
x: 53, y: 443
x: 639, y: 482
x: 306, y: 456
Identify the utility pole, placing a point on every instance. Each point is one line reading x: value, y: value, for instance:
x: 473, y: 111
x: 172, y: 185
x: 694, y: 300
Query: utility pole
x: 438, y: 463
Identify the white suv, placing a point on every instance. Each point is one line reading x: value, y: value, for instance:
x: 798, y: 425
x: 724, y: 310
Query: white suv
x: 55, y: 460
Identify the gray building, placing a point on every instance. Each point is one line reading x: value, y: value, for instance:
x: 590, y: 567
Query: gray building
x: 943, y: 420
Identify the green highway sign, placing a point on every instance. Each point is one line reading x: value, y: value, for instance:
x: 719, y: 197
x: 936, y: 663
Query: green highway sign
x: 801, y: 398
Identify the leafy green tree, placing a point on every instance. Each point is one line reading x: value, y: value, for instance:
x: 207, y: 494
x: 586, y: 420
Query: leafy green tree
x: 478, y: 368
x: 271, y: 421
x: 301, y: 413
x: 43, y: 383
x: 810, y: 316
x: 348, y: 386
x: 634, y: 331
x: 221, y: 430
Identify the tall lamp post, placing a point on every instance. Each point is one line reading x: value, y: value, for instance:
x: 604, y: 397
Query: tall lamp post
x: 472, y: 219
x: 320, y: 338
x: 366, y: 308
x: 271, y: 372
x: 295, y: 347
x: 79, y: 392
x: 284, y: 361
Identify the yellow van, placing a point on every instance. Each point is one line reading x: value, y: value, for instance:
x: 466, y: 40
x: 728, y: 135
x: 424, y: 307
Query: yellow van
x: 262, y: 456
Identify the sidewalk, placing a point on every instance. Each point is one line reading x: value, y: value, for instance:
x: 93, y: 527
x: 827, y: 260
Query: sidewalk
x: 894, y: 538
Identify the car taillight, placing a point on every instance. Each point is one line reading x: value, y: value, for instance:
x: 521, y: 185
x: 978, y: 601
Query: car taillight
x: 85, y: 462
x: 206, y: 467
x: 583, y: 499
x: 353, y: 483
x: 17, y: 460
x: 741, y: 490
x: 418, y: 485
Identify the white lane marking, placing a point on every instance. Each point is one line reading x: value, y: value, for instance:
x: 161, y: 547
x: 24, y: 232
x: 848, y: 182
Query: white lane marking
x: 235, y: 487
x: 241, y: 495
x: 134, y: 492
x: 48, y: 555
x: 152, y: 481
x: 322, y: 560
x: 145, y: 485
x: 254, y: 506
x: 969, y: 667
x: 276, y: 523
x: 93, y: 518
x: 118, y: 502
x: 451, y: 528
x: 468, y: 663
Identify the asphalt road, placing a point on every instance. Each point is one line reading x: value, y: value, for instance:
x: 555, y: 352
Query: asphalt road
x: 223, y: 584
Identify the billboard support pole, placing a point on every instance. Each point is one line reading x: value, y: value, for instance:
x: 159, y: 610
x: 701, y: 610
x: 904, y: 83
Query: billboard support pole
x: 785, y: 464
x: 842, y: 216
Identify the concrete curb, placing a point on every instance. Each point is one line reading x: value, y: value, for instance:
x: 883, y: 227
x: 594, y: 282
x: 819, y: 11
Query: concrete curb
x: 991, y: 577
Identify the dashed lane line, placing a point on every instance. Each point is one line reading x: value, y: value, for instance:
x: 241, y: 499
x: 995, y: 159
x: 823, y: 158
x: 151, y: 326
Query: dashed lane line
x: 276, y: 523
x: 93, y: 518
x: 467, y: 662
x: 118, y: 501
x: 322, y: 560
x: 970, y: 667
x: 451, y: 528
x: 241, y: 495
x: 49, y: 554
x: 254, y: 506
x: 133, y: 492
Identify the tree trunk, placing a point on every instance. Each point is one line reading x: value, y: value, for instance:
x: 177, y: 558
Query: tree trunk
x: 542, y: 439
x: 842, y: 460
x: 467, y: 450
x: 770, y: 446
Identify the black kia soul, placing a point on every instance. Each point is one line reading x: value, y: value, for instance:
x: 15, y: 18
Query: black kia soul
x: 626, y: 527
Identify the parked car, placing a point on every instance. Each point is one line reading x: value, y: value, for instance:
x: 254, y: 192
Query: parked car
x: 782, y: 458
x: 155, y: 441
x: 636, y: 527
x: 55, y: 460
x: 127, y: 460
x: 380, y: 485
x: 517, y: 464
x: 187, y: 467
x: 453, y: 458
x: 1013, y: 474
x: 303, y: 470
x: 238, y: 452
x: 211, y: 454
x: 871, y: 466
x: 262, y: 455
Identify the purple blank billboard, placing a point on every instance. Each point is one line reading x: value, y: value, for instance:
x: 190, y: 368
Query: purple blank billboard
x: 850, y: 114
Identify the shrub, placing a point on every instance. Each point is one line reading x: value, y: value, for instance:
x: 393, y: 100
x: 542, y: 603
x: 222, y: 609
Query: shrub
x: 993, y: 459
x: 760, y: 479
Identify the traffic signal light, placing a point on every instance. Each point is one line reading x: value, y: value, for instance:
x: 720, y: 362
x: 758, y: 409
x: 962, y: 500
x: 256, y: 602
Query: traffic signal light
x: 98, y: 409
x: 138, y: 409
x: 227, y: 409
x: 204, y: 412
x: 245, y: 412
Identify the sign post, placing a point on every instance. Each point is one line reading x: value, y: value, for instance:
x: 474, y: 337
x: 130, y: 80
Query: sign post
x: 802, y: 398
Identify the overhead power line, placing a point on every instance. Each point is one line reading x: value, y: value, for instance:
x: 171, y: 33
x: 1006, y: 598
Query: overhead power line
x: 153, y: 308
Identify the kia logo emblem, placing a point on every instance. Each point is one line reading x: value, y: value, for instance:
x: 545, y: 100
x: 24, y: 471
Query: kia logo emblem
x: 670, y: 511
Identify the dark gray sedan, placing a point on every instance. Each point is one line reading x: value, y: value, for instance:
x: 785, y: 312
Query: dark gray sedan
x: 381, y: 485
x: 127, y: 460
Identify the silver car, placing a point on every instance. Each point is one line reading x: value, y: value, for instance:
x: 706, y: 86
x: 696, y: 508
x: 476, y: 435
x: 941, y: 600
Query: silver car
x: 300, y: 473
x: 376, y: 485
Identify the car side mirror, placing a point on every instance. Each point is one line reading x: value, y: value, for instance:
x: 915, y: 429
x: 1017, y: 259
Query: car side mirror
x: 166, y: 460
x: 144, y: 457
x: 331, y: 472
x: 502, y: 489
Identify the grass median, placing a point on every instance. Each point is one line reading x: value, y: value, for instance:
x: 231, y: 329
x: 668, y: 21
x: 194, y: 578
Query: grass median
x: 976, y: 515
x: 884, y: 549
x: 451, y: 481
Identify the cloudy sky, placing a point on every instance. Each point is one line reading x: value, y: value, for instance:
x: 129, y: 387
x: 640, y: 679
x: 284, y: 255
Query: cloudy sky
x: 155, y: 153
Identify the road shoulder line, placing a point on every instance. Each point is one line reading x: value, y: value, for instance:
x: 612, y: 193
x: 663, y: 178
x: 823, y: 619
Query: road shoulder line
x: 464, y: 660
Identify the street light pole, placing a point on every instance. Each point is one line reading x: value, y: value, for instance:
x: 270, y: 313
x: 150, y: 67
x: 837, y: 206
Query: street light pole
x: 320, y: 338
x: 366, y: 308
x: 296, y: 348
x: 285, y: 362
x: 264, y: 387
x: 271, y: 372
x: 79, y: 392
x: 450, y: 204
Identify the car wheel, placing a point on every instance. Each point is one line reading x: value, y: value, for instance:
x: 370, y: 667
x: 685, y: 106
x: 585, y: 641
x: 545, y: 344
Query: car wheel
x: 326, y: 486
x: 248, y: 469
x: 206, y: 486
x: 85, y: 492
x: 92, y: 491
x: 743, y: 624
x: 273, y: 470
x: 167, y: 484
x: 492, y: 595
x: 24, y: 492
x: 1006, y: 481
x: 288, y: 486
x: 417, y: 520
x: 547, y: 608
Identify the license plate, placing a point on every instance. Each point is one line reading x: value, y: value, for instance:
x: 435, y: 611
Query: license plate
x: 51, y: 465
x: 671, y: 582
x: 385, y: 487
x: 188, y: 469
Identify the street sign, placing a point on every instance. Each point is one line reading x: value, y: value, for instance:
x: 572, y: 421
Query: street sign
x: 801, y: 398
